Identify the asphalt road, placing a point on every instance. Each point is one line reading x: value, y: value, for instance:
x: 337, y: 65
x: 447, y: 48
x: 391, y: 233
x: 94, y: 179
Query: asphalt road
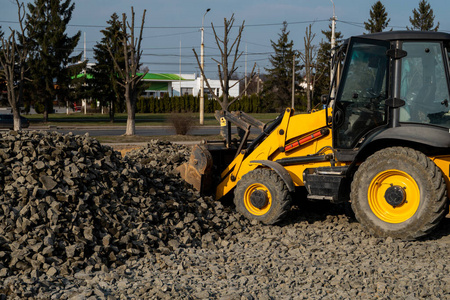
x: 140, y: 130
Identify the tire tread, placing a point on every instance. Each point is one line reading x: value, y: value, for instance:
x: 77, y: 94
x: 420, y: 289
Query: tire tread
x: 438, y: 205
x: 280, y: 204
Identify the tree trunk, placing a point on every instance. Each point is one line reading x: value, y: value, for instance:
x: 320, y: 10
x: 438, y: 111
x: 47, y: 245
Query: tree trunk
x: 16, y: 117
x: 12, y: 99
x: 131, y: 111
x: 130, y: 126
x: 46, y: 109
x: 111, y: 111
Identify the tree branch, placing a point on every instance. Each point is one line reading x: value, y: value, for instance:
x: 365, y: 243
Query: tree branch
x: 205, y: 79
x: 252, y: 76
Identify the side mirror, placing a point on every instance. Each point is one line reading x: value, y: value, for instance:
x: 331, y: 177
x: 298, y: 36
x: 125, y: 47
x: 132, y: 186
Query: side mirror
x: 324, y: 99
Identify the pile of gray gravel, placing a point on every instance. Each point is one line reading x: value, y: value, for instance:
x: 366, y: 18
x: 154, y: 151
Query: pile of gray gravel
x: 77, y: 221
x: 71, y: 204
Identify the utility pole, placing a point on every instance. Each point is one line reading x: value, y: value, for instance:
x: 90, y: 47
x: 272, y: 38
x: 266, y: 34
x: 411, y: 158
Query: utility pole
x: 85, y: 75
x: 257, y: 84
x: 245, y: 85
x: 179, y: 79
x: 333, y: 44
x: 293, y: 81
x: 202, y: 99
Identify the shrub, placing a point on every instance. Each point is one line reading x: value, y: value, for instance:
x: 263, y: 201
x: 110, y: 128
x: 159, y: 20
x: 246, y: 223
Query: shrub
x: 182, y: 123
x: 39, y: 108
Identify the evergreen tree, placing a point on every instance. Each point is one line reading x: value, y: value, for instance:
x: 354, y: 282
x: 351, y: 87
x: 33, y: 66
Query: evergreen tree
x: 324, y: 61
x: 378, y: 18
x: 51, y: 51
x: 104, y: 85
x: 423, y: 18
x: 79, y: 84
x: 278, y: 87
x: 3, y: 101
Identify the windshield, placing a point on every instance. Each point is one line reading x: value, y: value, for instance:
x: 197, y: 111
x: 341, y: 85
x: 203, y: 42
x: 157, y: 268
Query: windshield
x: 424, y: 84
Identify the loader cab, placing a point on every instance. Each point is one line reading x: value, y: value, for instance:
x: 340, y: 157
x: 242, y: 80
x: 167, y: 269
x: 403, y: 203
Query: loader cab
x: 393, y: 86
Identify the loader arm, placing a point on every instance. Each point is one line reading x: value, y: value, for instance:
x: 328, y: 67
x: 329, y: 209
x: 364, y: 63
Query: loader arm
x: 293, y: 143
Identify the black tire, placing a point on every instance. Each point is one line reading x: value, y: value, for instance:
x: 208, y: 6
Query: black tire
x: 262, y: 195
x: 400, y: 193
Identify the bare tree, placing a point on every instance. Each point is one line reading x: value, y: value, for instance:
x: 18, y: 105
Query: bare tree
x: 224, y: 70
x: 130, y: 80
x: 13, y: 57
x: 309, y: 58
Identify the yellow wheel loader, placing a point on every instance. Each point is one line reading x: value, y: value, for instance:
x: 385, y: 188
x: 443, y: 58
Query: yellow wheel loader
x: 381, y: 143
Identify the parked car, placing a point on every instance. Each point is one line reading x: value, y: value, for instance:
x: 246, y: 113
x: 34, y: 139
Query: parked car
x: 7, y: 122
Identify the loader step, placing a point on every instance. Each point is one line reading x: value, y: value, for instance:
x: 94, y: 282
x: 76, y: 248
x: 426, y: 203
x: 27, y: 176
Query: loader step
x: 327, y: 183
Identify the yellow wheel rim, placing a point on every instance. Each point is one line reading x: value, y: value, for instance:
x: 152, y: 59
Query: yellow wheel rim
x: 250, y: 206
x: 399, y: 181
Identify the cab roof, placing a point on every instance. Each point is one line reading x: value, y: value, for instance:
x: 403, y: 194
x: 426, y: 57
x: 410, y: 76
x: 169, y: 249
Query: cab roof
x: 407, y: 35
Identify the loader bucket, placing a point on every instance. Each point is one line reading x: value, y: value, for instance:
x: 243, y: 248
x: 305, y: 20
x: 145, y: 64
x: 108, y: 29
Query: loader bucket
x: 197, y: 171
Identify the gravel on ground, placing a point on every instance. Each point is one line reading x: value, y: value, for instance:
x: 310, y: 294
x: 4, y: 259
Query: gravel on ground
x: 79, y: 221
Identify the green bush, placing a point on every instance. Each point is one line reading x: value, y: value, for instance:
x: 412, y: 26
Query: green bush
x: 39, y: 108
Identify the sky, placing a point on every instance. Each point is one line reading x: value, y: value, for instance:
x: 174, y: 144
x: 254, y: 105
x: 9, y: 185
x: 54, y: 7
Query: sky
x: 172, y: 27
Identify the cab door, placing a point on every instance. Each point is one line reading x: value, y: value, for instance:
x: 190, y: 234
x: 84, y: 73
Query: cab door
x: 360, y: 101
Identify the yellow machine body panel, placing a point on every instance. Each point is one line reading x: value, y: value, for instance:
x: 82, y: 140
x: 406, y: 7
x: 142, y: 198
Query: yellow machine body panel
x: 443, y: 163
x: 291, y: 129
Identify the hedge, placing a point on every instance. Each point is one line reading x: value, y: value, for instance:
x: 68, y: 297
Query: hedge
x: 189, y: 103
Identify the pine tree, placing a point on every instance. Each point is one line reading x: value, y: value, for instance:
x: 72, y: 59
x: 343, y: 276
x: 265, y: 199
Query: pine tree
x: 278, y: 87
x: 423, y: 18
x: 104, y: 85
x: 3, y: 101
x: 378, y: 18
x: 51, y: 51
x: 324, y: 61
x: 79, y: 84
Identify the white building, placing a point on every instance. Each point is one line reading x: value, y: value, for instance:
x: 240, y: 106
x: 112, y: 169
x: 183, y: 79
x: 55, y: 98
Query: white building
x: 190, y: 85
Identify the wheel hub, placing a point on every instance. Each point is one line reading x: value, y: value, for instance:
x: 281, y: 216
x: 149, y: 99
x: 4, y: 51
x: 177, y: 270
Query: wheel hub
x: 259, y: 199
x: 395, y: 195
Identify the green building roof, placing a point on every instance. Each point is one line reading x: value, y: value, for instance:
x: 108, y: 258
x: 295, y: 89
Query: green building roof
x: 148, y: 76
x: 162, y: 76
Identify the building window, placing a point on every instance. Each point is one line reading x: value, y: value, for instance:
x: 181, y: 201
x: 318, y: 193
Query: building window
x: 186, y: 91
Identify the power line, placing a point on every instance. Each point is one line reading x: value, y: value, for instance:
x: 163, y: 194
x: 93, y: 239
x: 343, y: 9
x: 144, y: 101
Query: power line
x: 182, y: 27
x: 171, y: 34
x: 289, y: 23
x: 353, y: 23
x: 210, y: 55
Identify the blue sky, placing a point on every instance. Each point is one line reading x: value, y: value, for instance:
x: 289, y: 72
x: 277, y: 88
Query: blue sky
x: 171, y: 22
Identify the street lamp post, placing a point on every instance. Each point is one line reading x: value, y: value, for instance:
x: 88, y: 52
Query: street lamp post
x: 333, y: 44
x: 202, y: 100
